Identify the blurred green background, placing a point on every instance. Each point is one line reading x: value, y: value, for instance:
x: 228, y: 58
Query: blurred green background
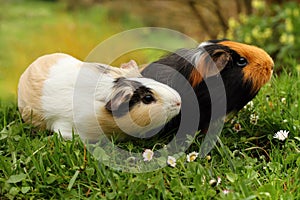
x: 31, y: 28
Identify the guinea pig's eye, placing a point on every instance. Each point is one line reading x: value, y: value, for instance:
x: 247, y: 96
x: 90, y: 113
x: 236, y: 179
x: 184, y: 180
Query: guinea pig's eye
x: 147, y: 99
x: 242, y: 62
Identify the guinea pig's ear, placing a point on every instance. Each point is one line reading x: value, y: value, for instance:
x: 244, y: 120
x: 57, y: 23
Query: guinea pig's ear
x: 209, y: 64
x: 213, y: 62
x: 119, y: 98
x: 130, y: 65
x: 130, y: 69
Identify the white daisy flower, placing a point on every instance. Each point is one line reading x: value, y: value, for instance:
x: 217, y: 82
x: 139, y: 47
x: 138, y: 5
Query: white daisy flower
x: 281, y: 135
x: 192, y: 156
x: 250, y: 104
x: 148, y: 154
x: 226, y: 191
x: 283, y: 100
x: 254, y: 118
x: 171, y: 161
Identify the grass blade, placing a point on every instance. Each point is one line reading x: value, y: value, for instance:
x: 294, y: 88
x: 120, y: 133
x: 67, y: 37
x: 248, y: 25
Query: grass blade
x: 73, y: 179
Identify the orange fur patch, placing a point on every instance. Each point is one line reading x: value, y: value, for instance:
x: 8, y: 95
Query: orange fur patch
x: 195, y: 78
x: 260, y: 64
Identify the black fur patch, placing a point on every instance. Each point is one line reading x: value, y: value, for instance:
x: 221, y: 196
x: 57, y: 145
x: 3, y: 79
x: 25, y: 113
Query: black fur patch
x: 123, y: 82
x: 138, y: 90
x: 218, y: 41
x: 138, y: 95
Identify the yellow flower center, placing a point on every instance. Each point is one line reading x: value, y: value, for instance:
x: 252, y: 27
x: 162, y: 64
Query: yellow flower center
x: 193, y: 157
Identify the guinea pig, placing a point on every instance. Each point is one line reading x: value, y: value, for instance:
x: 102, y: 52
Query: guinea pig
x: 243, y: 70
x: 63, y: 94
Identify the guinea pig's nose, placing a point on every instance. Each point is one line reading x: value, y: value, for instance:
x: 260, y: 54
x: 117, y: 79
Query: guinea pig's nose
x: 177, y: 103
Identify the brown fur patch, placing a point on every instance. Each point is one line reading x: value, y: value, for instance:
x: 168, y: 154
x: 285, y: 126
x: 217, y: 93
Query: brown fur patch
x: 260, y: 64
x: 30, y: 88
x: 109, y: 126
x: 107, y: 123
x: 141, y: 115
x: 138, y: 117
x: 135, y: 123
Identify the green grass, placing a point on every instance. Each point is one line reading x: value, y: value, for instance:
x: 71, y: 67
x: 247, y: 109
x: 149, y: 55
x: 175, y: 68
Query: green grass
x: 250, y: 163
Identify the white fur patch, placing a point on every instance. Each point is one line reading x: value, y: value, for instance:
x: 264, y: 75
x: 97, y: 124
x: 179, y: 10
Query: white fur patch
x: 70, y: 94
x: 203, y: 44
x: 57, y: 95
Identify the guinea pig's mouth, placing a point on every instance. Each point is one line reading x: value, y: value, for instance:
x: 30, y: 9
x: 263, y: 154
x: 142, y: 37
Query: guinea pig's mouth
x: 173, y: 110
x: 175, y: 105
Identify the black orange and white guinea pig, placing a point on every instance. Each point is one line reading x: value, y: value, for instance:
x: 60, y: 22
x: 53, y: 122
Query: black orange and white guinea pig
x: 244, y: 69
x: 63, y: 94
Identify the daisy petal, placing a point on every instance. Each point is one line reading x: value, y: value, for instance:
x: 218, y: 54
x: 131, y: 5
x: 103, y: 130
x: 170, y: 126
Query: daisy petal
x: 171, y: 161
x: 192, y: 156
x: 148, y: 154
x: 281, y: 135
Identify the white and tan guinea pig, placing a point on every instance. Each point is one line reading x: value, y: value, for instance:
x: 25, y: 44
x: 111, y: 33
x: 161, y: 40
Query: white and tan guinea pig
x: 63, y: 94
